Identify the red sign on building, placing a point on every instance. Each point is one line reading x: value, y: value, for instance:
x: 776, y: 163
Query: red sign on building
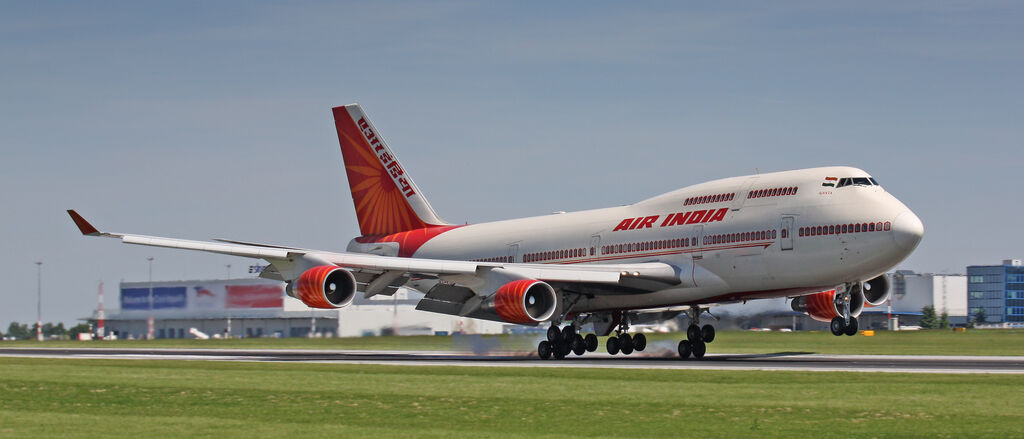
x: 255, y: 296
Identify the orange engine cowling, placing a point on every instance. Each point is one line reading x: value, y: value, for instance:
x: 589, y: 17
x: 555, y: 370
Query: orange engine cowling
x: 824, y: 306
x: 324, y: 286
x: 523, y: 301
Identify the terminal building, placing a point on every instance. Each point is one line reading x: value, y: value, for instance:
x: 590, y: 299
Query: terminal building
x: 996, y: 292
x: 255, y: 307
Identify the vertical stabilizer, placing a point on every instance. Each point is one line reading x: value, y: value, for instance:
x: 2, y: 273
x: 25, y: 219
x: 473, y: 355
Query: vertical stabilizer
x: 386, y: 199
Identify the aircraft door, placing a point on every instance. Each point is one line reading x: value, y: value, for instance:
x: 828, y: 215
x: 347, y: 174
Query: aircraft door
x: 595, y: 245
x: 513, y: 252
x: 697, y: 241
x: 786, y: 233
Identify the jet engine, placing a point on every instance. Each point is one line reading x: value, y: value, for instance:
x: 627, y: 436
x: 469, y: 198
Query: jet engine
x: 876, y: 291
x: 324, y: 286
x: 824, y: 306
x: 523, y: 301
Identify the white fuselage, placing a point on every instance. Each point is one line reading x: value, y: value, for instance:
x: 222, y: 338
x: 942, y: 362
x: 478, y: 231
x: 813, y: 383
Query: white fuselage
x: 732, y: 239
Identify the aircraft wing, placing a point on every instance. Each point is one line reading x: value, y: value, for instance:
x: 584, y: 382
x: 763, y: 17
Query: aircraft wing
x: 383, y: 274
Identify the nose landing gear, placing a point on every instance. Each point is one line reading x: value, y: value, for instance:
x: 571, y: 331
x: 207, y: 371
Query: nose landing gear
x: 845, y: 323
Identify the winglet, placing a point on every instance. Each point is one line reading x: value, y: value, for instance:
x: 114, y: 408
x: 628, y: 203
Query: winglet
x: 83, y: 225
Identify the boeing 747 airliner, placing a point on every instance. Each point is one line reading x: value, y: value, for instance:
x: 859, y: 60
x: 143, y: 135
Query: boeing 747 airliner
x: 824, y: 237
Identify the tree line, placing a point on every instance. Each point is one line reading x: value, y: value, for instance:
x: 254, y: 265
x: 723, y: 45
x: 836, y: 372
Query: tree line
x: 22, y: 331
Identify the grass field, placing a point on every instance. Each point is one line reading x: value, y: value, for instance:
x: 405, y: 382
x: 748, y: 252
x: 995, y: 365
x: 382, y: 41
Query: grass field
x: 134, y: 398
x: 972, y: 342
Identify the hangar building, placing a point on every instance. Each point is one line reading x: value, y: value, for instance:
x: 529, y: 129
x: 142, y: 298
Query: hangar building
x: 255, y: 307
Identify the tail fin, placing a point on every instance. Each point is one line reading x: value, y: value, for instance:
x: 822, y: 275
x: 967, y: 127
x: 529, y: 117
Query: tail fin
x: 387, y: 200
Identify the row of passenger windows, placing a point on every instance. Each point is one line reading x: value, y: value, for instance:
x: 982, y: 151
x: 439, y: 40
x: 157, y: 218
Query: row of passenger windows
x: 557, y: 254
x: 646, y: 246
x: 709, y: 199
x: 845, y: 228
x: 495, y: 259
x: 774, y: 192
x: 728, y: 238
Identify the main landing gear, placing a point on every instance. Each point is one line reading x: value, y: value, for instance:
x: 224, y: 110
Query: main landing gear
x: 623, y: 342
x: 697, y: 337
x: 566, y: 340
x: 563, y: 341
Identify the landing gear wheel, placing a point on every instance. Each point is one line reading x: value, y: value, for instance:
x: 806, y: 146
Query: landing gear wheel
x: 699, y: 349
x: 626, y: 343
x: 554, y: 334
x: 685, y: 348
x: 639, y: 342
x: 560, y: 350
x: 569, y: 333
x: 544, y: 350
x: 707, y: 333
x: 693, y: 333
x: 838, y: 326
x: 851, y: 329
x: 578, y: 346
x: 591, y: 342
x: 613, y: 345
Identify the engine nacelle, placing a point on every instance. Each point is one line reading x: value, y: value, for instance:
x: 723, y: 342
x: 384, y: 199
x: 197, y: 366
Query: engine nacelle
x: 324, y: 286
x: 523, y: 301
x: 824, y: 306
x: 876, y: 291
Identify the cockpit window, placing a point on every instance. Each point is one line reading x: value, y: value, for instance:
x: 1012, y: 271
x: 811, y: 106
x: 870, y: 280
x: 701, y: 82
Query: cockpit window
x: 873, y: 181
x: 856, y: 181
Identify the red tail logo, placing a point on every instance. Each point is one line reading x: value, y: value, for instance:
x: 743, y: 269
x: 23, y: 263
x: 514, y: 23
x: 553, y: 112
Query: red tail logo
x: 386, y: 200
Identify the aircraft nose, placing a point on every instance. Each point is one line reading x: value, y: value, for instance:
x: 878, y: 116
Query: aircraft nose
x: 907, y: 230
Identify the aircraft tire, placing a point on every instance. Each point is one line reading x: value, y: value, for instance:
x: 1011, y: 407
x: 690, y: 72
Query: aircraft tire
x: 578, y: 345
x: 612, y: 345
x: 591, y: 341
x: 837, y: 326
x: 685, y: 349
x: 707, y: 333
x: 554, y: 334
x: 693, y: 333
x: 699, y: 349
x: 851, y: 329
x: 544, y: 350
x: 639, y: 342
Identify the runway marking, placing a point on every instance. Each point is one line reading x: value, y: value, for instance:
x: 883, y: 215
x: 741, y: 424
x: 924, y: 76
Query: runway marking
x: 784, y: 361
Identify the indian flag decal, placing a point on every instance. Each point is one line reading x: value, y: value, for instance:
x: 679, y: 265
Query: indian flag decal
x: 830, y: 181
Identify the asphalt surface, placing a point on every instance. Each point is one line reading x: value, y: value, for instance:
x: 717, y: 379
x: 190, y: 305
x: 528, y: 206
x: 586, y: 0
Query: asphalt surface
x: 653, y: 358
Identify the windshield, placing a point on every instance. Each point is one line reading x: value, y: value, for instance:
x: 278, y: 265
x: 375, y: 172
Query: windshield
x: 857, y: 181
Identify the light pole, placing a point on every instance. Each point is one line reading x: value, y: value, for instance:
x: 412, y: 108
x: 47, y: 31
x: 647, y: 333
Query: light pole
x: 149, y: 322
x: 227, y: 301
x: 39, y: 301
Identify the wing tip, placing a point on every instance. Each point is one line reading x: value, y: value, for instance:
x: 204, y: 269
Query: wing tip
x: 83, y: 225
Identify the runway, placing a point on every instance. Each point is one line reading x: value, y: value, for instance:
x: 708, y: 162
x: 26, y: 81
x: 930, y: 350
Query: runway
x: 656, y: 359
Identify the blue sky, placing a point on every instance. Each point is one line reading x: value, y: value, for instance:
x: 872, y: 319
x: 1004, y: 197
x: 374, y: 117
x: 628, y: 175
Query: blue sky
x: 212, y: 119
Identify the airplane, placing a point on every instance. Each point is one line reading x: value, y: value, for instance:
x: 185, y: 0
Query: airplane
x: 824, y: 237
